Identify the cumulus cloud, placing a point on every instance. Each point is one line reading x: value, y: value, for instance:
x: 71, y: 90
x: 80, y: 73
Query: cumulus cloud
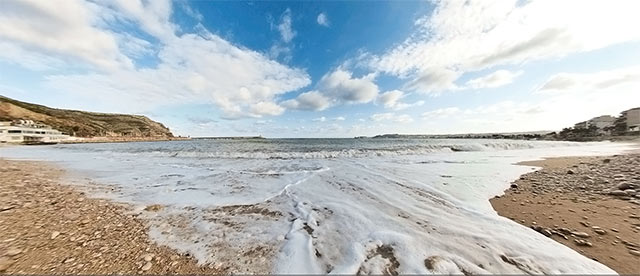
x: 342, y: 86
x: 191, y: 67
x: 323, y: 20
x: 319, y: 119
x: 286, y: 30
x: 495, y: 79
x: 339, y: 118
x: 312, y: 100
x: 336, y: 87
x: 391, y: 100
x: 468, y: 36
x: 392, y: 117
x: 66, y: 32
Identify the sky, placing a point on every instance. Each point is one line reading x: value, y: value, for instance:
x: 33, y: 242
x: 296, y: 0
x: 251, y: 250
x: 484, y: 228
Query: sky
x: 328, y: 68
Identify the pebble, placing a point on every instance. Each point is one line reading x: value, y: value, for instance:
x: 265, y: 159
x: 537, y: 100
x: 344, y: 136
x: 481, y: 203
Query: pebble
x: 634, y: 252
x: 146, y: 266
x: 618, y: 193
x: 580, y: 234
x: 13, y: 252
x: 147, y: 257
x: 5, y: 263
x: 55, y: 234
x: 583, y: 243
x: 600, y: 231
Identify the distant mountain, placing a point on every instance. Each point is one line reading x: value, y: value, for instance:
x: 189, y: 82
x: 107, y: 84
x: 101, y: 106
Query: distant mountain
x: 82, y: 123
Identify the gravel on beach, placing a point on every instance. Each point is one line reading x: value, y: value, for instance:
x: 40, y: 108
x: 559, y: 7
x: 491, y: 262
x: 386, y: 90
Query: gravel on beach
x: 47, y: 227
x: 590, y: 204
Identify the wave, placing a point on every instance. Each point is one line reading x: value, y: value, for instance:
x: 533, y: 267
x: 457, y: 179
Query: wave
x: 279, y: 151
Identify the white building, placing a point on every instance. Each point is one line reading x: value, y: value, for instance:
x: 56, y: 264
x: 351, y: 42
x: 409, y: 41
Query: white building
x: 602, y: 121
x: 632, y: 118
x: 29, y: 132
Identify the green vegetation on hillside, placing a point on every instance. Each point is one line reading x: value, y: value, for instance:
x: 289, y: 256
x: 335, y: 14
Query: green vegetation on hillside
x: 82, y: 123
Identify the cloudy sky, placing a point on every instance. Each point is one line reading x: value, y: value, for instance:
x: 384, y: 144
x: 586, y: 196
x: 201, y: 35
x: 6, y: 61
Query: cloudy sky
x: 327, y: 69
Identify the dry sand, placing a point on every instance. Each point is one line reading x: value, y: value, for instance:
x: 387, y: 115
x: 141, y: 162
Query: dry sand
x: 589, y: 204
x: 50, y: 228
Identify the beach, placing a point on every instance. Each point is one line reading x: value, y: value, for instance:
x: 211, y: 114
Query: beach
x: 343, y: 206
x: 47, y: 227
x: 579, y: 202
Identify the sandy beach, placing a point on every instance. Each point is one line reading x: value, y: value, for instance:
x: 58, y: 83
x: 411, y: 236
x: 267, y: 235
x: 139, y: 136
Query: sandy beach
x: 589, y: 204
x: 47, y: 227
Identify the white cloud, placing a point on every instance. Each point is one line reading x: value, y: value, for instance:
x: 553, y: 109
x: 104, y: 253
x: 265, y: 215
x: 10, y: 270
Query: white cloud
x: 339, y: 118
x: 390, y: 116
x: 441, y: 113
x: 467, y: 36
x: 266, y: 108
x: 191, y: 68
x: 312, y: 100
x: 66, y: 32
x: 565, y: 82
x: 495, y: 79
x: 286, y: 31
x: 319, y: 119
x: 342, y: 86
x: 323, y: 20
x: 565, y: 99
x: 391, y: 100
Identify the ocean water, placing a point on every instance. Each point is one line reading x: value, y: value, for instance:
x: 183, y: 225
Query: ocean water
x: 341, y: 206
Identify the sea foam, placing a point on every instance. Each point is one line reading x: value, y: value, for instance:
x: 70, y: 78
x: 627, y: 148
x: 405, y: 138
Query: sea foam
x: 341, y: 207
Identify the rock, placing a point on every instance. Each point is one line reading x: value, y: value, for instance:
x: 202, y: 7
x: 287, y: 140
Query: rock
x: 580, y: 234
x: 600, y: 231
x: 625, y: 185
x: 146, y: 266
x: 54, y: 234
x: 630, y: 192
x: 5, y: 263
x: 614, y: 230
x: 634, y: 252
x: 570, y: 172
x: 13, y: 252
x: 606, y: 160
x: 546, y: 232
x: 147, y: 257
x: 154, y: 208
x: 514, y: 186
x: 617, y: 193
x: 583, y: 243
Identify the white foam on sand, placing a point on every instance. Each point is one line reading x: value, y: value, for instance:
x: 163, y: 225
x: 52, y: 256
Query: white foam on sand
x: 410, y: 214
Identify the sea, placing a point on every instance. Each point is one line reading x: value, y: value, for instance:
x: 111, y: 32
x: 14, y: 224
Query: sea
x: 339, y: 206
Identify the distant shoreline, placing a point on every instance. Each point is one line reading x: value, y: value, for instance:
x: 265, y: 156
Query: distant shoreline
x: 123, y: 140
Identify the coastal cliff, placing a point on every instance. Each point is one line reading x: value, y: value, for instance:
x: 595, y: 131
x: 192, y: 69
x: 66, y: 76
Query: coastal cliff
x: 82, y: 123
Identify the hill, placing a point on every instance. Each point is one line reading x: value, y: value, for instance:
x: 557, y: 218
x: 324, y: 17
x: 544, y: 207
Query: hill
x: 82, y: 123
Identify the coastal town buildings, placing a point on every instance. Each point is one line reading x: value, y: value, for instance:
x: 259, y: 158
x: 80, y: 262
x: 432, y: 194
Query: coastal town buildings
x: 602, y: 122
x: 29, y: 132
x: 632, y: 118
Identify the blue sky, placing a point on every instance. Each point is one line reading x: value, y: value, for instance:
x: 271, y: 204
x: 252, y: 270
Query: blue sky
x: 329, y: 68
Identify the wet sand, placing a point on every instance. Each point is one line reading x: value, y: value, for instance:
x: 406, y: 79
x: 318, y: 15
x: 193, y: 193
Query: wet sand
x: 590, y: 204
x: 47, y: 227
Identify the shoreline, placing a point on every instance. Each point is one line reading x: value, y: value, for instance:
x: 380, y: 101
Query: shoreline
x: 48, y: 226
x: 576, y: 201
x: 37, y: 180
